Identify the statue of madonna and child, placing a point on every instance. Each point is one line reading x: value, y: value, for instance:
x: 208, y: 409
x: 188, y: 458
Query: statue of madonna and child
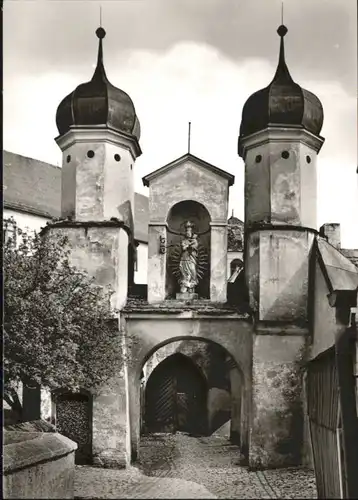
x: 188, y: 262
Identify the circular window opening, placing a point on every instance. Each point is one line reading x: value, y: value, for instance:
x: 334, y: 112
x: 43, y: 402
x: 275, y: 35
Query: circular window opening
x: 68, y: 158
x: 285, y: 154
x: 90, y: 153
x: 117, y: 157
x: 258, y: 158
x: 308, y: 159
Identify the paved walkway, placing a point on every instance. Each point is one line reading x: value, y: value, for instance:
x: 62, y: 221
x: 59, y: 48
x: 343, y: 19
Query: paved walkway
x: 180, y: 466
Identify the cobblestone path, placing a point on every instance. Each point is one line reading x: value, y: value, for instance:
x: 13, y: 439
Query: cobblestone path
x: 180, y: 466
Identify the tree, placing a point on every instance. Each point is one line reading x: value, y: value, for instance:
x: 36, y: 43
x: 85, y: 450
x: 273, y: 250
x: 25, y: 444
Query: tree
x: 59, y: 328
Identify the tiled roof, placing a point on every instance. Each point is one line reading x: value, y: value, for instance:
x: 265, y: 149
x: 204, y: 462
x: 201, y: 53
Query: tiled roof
x: 201, y: 306
x: 31, y: 185
x: 34, y: 186
x: 341, y: 272
x: 351, y: 254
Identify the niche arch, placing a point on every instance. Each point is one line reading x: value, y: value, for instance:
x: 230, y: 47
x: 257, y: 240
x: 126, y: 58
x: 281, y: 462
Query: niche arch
x: 234, y: 264
x: 198, y: 214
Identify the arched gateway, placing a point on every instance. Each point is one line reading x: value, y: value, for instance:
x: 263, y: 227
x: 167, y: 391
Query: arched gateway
x: 231, y: 333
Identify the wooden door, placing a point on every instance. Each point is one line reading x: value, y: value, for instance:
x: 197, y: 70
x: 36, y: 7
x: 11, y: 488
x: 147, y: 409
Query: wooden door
x: 182, y: 408
x: 175, y: 397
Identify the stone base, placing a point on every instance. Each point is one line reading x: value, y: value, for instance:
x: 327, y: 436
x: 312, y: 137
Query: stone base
x: 38, y: 465
x: 110, y: 459
x: 186, y: 296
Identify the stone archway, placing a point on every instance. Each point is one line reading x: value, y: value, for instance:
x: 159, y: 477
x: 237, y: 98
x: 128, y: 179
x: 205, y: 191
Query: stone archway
x: 235, y: 358
x: 176, y: 395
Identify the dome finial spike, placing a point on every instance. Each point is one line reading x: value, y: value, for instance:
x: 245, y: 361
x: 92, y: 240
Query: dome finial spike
x: 282, y: 70
x: 99, y: 71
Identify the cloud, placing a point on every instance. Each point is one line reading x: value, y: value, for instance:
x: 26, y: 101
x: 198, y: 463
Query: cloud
x: 58, y: 35
x: 189, y: 82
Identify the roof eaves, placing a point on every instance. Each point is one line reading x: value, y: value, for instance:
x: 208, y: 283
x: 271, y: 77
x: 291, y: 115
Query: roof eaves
x: 188, y: 156
x: 20, y: 207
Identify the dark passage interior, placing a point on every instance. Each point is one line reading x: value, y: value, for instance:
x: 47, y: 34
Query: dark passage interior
x: 175, y: 397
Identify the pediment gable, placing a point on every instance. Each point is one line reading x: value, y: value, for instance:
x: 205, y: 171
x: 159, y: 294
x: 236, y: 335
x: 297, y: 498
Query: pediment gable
x: 185, y: 160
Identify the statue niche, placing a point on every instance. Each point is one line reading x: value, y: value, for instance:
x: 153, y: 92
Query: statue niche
x: 188, y: 256
x: 188, y: 264
x: 188, y: 261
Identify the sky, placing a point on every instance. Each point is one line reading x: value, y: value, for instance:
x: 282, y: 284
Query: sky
x: 188, y: 60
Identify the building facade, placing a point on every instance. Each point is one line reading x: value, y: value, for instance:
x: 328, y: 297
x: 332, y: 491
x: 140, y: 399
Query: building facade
x: 217, y: 339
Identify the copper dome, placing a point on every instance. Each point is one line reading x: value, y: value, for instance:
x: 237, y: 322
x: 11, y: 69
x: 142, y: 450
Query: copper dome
x: 98, y: 102
x: 282, y: 103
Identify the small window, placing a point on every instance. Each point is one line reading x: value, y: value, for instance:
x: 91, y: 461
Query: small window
x: 258, y: 158
x: 308, y: 159
x: 285, y: 154
x: 117, y: 157
x: 131, y: 166
x: 68, y: 159
x: 90, y: 153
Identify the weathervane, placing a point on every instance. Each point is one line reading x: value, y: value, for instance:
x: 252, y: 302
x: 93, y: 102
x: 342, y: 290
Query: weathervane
x: 189, y: 137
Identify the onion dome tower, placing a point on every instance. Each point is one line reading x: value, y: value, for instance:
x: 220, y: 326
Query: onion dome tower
x: 99, y: 138
x: 279, y: 141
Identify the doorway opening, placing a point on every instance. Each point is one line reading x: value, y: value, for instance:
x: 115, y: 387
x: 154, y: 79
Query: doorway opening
x: 73, y: 420
x: 176, y: 398
x: 193, y: 386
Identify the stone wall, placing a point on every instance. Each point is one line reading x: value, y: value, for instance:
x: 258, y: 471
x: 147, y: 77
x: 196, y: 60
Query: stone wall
x: 281, y: 179
x: 102, y: 251
x: 110, y: 424
x: 277, y: 274
x: 276, y: 434
x: 38, y: 465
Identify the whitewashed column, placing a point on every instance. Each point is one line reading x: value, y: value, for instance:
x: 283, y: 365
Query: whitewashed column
x: 218, y: 262
x: 157, y: 261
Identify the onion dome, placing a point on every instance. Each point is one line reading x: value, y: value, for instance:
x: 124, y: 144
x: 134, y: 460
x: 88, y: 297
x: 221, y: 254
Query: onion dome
x: 98, y: 102
x: 282, y: 103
